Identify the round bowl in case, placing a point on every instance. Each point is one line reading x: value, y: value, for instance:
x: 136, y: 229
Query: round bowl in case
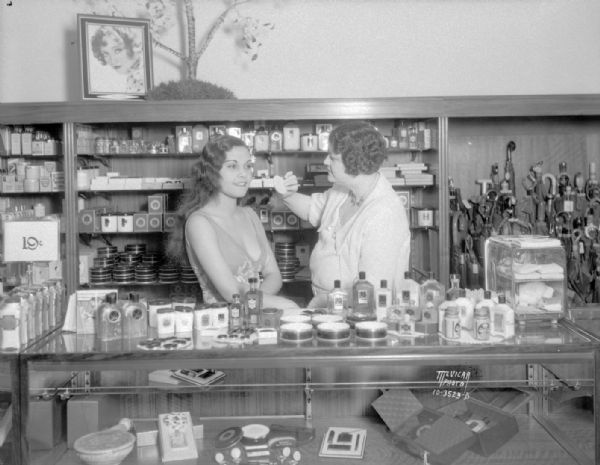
x: 371, y: 330
x: 333, y: 331
x: 296, y: 332
x: 107, y: 447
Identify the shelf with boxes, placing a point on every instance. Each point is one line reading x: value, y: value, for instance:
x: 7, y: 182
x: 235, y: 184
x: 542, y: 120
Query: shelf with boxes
x: 136, y: 142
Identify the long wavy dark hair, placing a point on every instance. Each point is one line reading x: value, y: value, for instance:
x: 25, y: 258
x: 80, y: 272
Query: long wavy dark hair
x: 205, y: 173
x: 361, y: 145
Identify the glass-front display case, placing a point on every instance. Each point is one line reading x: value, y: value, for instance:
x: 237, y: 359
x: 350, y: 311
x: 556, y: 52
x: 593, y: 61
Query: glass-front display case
x: 10, y: 427
x: 382, y: 400
x: 531, y: 272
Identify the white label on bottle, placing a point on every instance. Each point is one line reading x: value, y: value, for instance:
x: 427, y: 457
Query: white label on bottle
x: 363, y: 297
x: 338, y: 302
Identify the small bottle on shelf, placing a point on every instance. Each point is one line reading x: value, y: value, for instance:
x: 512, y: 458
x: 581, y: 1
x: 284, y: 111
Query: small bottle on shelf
x: 253, y: 303
x: 454, y: 285
x: 465, y: 308
x: 383, y: 299
x: 235, y: 313
x: 408, y: 289
x: 452, y: 328
x: 503, y: 319
x: 431, y: 294
x: 481, y: 318
x: 363, y: 299
x: 337, y: 299
x: 450, y: 301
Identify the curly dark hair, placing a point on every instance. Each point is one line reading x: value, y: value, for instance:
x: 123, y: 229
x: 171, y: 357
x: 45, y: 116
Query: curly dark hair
x: 98, y: 41
x: 205, y: 173
x: 361, y: 145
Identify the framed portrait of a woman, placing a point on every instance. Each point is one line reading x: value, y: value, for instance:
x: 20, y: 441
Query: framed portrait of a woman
x: 116, y: 57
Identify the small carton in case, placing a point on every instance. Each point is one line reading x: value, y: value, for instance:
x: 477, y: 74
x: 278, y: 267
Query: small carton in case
x: 492, y: 426
x: 441, y: 438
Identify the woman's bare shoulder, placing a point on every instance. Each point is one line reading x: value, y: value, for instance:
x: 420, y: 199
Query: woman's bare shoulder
x: 197, y: 220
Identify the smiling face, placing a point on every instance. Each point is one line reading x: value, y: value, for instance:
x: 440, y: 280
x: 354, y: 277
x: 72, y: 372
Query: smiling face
x: 116, y: 53
x: 236, y: 172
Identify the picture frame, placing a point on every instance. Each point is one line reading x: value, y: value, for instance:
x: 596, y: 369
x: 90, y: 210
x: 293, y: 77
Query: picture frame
x: 115, y: 56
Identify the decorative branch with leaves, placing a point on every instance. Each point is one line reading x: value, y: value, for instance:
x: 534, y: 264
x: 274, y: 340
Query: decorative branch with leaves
x: 248, y: 30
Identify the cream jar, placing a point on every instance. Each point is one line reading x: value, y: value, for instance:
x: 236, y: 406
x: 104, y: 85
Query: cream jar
x: 184, y: 319
x: 165, y: 322
x: 153, y: 306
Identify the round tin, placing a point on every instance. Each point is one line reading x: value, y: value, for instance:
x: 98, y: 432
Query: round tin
x: 228, y: 437
x: 295, y: 319
x: 336, y: 331
x: 296, y: 332
x: 254, y: 433
x: 319, y: 318
x: 371, y: 330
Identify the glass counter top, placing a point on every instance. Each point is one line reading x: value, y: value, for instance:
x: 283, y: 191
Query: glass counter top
x: 551, y: 343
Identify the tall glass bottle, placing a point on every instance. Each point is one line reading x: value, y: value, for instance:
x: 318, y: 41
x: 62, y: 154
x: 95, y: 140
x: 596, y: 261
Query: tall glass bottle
x: 363, y: 299
x: 337, y: 299
x: 407, y: 290
x: 466, y: 309
x: 235, y: 313
x: 383, y: 299
x: 431, y: 294
x: 253, y: 302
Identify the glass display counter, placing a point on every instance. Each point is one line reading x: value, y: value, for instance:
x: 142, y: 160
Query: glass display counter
x: 393, y: 400
x: 10, y: 426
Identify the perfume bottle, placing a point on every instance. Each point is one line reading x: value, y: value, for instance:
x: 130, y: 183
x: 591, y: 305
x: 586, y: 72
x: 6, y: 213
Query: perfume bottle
x: 337, y: 300
x: 407, y: 290
x: 235, y: 313
x: 383, y: 299
x: 431, y: 295
x: 449, y: 302
x: 135, y: 317
x: 563, y: 178
x: 363, y: 299
x: 454, y: 285
x: 481, y: 318
x: 502, y: 319
x: 465, y: 308
x: 108, y: 319
x: 253, y: 303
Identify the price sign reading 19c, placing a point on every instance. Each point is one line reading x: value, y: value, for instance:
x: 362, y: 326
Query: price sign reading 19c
x: 31, y: 240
